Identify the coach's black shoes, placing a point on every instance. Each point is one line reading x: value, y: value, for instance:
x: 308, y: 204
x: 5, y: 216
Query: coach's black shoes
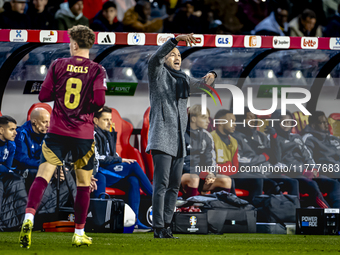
x: 163, y: 233
x: 159, y: 233
x: 169, y: 233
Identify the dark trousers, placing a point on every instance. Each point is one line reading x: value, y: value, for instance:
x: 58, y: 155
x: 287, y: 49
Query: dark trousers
x: 166, y: 182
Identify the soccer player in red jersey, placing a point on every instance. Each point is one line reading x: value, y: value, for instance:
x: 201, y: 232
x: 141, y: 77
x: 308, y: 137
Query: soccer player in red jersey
x: 77, y: 87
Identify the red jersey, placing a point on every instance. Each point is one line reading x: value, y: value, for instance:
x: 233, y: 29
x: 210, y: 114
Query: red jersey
x: 72, y: 83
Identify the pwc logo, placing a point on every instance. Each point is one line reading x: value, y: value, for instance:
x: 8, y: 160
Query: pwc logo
x: 48, y: 36
x: 224, y: 41
x: 162, y: 38
x: 252, y: 41
x: 309, y: 42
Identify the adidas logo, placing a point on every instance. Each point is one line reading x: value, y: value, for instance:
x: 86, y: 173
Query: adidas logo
x: 106, y: 39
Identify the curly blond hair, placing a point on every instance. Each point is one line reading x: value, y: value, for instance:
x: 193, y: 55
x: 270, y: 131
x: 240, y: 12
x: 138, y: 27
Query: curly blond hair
x: 83, y: 36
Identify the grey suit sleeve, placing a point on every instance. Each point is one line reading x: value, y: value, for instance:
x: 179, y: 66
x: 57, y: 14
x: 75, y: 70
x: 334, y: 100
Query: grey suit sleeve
x: 157, y: 59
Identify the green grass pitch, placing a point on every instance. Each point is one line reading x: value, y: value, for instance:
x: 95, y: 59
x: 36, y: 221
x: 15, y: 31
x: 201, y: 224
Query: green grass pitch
x: 143, y: 243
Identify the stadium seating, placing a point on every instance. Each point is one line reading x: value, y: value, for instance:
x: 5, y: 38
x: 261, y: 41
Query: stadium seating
x: 123, y: 147
x: 147, y: 158
x: 334, y: 124
x: 38, y: 105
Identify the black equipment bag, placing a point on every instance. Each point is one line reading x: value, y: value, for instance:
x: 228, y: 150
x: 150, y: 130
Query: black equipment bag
x: 105, y: 216
x: 276, y: 208
x: 227, y: 218
x: 225, y: 213
x: 190, y: 223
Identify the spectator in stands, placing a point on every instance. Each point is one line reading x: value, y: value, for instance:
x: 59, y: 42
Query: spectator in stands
x: 137, y: 18
x: 254, y: 150
x: 15, y: 18
x: 333, y: 27
x: 277, y: 22
x: 298, y: 6
x: 200, y: 157
x: 106, y: 20
x: 325, y: 148
x: 330, y: 7
x: 226, y: 11
x: 116, y: 171
x: 123, y: 6
x: 292, y: 153
x: 40, y: 17
x: 71, y: 14
x: 226, y: 148
x: 185, y: 21
x: 28, y: 145
x: 304, y: 25
x: 13, y: 196
x: 252, y: 12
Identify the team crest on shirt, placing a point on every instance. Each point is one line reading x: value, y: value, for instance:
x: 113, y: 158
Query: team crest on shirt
x: 6, y: 153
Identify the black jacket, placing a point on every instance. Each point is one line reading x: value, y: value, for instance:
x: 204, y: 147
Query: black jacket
x: 247, y: 156
x: 106, y: 147
x: 14, y: 20
x: 42, y: 21
x: 325, y: 148
x: 292, y: 152
x: 200, y: 150
x: 101, y: 24
x: 13, y: 200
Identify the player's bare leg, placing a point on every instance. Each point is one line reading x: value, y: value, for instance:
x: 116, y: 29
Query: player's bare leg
x: 81, y: 206
x: 35, y: 194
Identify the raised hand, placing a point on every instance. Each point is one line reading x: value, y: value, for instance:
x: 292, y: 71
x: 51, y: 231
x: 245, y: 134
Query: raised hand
x: 189, y: 39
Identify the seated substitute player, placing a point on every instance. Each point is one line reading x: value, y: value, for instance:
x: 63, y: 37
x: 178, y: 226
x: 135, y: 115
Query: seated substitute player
x: 12, y: 187
x: 8, y: 132
x: 77, y: 87
x: 325, y: 148
x: 114, y: 171
x: 295, y: 155
x: 254, y: 150
x: 226, y: 148
x: 201, y: 156
x: 28, y: 145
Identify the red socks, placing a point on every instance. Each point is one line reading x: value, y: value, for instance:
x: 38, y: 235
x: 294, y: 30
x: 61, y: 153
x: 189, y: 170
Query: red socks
x: 35, y: 194
x: 190, y: 192
x: 81, y: 206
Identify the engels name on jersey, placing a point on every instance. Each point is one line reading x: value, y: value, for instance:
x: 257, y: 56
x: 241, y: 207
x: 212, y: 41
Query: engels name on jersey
x: 77, y: 69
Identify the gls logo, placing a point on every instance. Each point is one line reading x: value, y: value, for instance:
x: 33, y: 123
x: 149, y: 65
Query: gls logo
x: 48, y: 36
x: 136, y: 38
x: 224, y: 40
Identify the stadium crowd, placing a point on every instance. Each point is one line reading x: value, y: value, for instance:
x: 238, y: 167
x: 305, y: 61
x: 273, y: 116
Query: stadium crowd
x: 261, y: 17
